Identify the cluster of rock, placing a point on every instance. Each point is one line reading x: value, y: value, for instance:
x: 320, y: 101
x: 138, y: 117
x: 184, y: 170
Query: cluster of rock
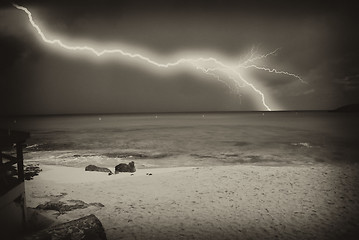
x: 122, y: 167
x: 31, y: 170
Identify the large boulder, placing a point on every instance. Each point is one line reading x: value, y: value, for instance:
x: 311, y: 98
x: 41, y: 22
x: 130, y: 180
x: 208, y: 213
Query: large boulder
x: 123, y: 167
x: 88, y: 227
x: 97, y: 169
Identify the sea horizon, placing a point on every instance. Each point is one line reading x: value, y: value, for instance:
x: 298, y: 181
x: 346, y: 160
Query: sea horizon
x: 161, y: 112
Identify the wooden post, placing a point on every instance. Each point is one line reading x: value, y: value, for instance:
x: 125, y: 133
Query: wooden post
x: 20, y: 172
x: 20, y: 162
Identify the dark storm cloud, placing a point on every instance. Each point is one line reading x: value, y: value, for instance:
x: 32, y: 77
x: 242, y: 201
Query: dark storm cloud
x: 12, y: 49
x: 318, y: 42
x: 349, y: 83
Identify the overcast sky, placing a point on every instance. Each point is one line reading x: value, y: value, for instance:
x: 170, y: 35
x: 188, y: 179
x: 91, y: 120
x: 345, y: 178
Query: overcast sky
x: 317, y: 42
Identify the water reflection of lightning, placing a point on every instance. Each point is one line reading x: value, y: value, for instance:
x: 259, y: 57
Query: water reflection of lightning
x: 209, y: 66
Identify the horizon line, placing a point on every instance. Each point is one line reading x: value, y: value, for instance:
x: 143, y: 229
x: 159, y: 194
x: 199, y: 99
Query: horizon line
x: 159, y: 112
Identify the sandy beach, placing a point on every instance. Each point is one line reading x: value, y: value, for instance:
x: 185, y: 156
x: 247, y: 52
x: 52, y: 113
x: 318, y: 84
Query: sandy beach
x: 221, y: 202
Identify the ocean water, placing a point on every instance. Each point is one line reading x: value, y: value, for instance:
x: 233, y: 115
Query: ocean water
x: 193, y: 139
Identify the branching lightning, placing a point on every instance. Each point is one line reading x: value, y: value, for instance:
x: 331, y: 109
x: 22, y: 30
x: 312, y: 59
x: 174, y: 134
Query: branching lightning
x: 273, y: 70
x: 207, y: 65
x: 253, y: 59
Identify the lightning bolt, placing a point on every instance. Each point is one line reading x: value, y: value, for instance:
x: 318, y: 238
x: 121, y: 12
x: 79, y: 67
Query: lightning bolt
x: 253, y: 59
x: 273, y: 70
x: 202, y: 64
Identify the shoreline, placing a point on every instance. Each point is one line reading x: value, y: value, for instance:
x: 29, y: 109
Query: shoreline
x: 66, y: 174
x: 234, y: 202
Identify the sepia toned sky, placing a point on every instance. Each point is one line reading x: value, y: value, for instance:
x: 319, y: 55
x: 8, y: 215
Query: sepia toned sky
x: 316, y: 41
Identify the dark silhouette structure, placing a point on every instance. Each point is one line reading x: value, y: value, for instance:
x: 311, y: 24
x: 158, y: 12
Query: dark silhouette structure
x: 12, y: 188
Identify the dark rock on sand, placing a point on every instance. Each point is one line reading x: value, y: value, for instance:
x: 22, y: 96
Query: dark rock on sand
x: 31, y: 170
x: 88, y: 227
x: 96, y: 204
x: 94, y: 168
x: 123, y: 167
x: 63, y: 207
